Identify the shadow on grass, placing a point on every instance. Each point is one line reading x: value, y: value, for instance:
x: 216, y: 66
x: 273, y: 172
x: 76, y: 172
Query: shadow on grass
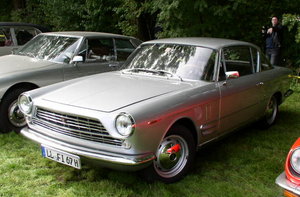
x: 92, y: 173
x: 243, y: 140
x: 214, y: 156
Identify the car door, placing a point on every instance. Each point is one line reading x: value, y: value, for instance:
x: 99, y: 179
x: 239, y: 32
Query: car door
x: 240, y: 96
x: 208, y: 109
x: 98, y: 57
x: 268, y: 81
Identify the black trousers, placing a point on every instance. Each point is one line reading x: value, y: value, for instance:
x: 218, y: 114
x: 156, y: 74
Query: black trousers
x: 274, y: 56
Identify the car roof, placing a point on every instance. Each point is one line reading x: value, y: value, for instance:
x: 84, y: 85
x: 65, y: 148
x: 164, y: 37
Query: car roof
x: 88, y: 34
x: 214, y: 43
x: 41, y: 28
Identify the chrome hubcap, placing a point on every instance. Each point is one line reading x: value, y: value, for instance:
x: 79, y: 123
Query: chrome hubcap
x: 271, y: 111
x: 15, y: 116
x: 171, y: 157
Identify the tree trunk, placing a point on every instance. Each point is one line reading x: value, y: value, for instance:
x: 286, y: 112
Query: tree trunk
x: 19, y: 4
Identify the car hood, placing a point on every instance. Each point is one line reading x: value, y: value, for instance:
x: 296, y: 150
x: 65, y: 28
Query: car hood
x: 108, y: 92
x: 17, y: 63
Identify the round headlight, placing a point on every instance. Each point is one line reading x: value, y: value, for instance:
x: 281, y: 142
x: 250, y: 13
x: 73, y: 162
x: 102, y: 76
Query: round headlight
x: 125, y: 124
x: 25, y: 103
x: 295, y: 160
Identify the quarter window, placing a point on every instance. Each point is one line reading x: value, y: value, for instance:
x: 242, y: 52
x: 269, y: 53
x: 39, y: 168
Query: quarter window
x: 5, y: 37
x: 255, y: 59
x: 124, y: 49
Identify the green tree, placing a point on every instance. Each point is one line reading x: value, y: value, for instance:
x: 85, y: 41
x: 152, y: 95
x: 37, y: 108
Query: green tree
x: 149, y: 19
x: 5, y: 10
x: 292, y: 21
x: 62, y: 15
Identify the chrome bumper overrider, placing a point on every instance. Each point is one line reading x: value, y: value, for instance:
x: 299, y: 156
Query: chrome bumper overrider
x: 108, y: 159
x: 287, y: 185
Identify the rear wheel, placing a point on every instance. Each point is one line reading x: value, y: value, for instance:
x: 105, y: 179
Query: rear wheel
x: 12, y: 119
x: 174, y: 156
x: 271, y: 113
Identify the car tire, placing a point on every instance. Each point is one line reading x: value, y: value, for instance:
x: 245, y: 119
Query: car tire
x: 271, y: 113
x: 12, y: 118
x: 171, y: 167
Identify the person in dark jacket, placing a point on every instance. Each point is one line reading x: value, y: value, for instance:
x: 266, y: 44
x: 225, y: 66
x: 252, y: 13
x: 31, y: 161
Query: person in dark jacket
x: 273, y: 37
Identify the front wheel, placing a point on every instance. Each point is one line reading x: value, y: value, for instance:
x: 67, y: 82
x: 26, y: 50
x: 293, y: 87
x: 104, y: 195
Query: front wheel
x: 174, y: 156
x: 12, y: 119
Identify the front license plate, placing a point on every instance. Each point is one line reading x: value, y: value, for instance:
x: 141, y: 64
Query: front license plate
x: 61, y: 157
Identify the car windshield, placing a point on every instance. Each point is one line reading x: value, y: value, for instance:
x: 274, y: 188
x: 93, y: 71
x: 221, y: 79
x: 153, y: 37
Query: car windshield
x: 50, y: 47
x: 182, y: 61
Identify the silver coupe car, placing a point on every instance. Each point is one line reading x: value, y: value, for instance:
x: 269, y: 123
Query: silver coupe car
x: 54, y: 57
x: 171, y: 97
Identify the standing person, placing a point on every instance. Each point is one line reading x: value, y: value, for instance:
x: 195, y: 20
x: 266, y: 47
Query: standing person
x: 273, y: 37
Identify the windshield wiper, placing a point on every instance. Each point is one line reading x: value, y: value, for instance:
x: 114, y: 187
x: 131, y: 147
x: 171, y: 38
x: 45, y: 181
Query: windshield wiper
x: 31, y: 55
x: 141, y: 70
x: 159, y: 72
x: 25, y: 54
x: 164, y: 72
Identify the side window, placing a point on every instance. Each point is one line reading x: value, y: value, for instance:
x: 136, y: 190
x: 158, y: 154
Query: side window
x: 264, y: 63
x: 238, y: 58
x: 255, y: 59
x: 124, y: 49
x: 24, y: 34
x: 98, y: 50
x: 5, y: 37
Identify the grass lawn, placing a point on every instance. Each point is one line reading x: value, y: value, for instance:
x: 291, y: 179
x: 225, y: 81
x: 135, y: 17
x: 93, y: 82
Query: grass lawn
x: 245, y: 163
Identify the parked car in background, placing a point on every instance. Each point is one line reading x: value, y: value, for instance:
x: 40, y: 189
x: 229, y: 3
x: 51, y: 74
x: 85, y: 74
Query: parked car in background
x: 13, y: 35
x: 289, y: 180
x: 53, y: 57
x: 171, y: 97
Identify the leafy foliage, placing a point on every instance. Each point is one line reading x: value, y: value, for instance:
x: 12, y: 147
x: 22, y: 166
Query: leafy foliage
x: 61, y: 15
x: 5, y: 10
x: 150, y: 19
x: 292, y: 21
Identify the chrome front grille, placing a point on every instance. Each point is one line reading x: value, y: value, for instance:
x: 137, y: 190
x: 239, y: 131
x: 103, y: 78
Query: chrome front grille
x: 75, y: 126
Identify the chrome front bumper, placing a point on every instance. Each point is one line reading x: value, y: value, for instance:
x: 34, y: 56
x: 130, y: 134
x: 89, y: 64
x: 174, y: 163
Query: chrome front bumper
x: 287, y: 185
x: 105, y: 159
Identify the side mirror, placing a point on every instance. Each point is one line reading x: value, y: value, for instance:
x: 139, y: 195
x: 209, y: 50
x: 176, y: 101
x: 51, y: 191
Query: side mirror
x: 114, y: 64
x: 76, y: 59
x: 14, y: 50
x: 232, y: 74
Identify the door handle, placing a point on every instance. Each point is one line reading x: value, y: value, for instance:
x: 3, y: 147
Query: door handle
x: 113, y: 64
x: 260, y: 84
